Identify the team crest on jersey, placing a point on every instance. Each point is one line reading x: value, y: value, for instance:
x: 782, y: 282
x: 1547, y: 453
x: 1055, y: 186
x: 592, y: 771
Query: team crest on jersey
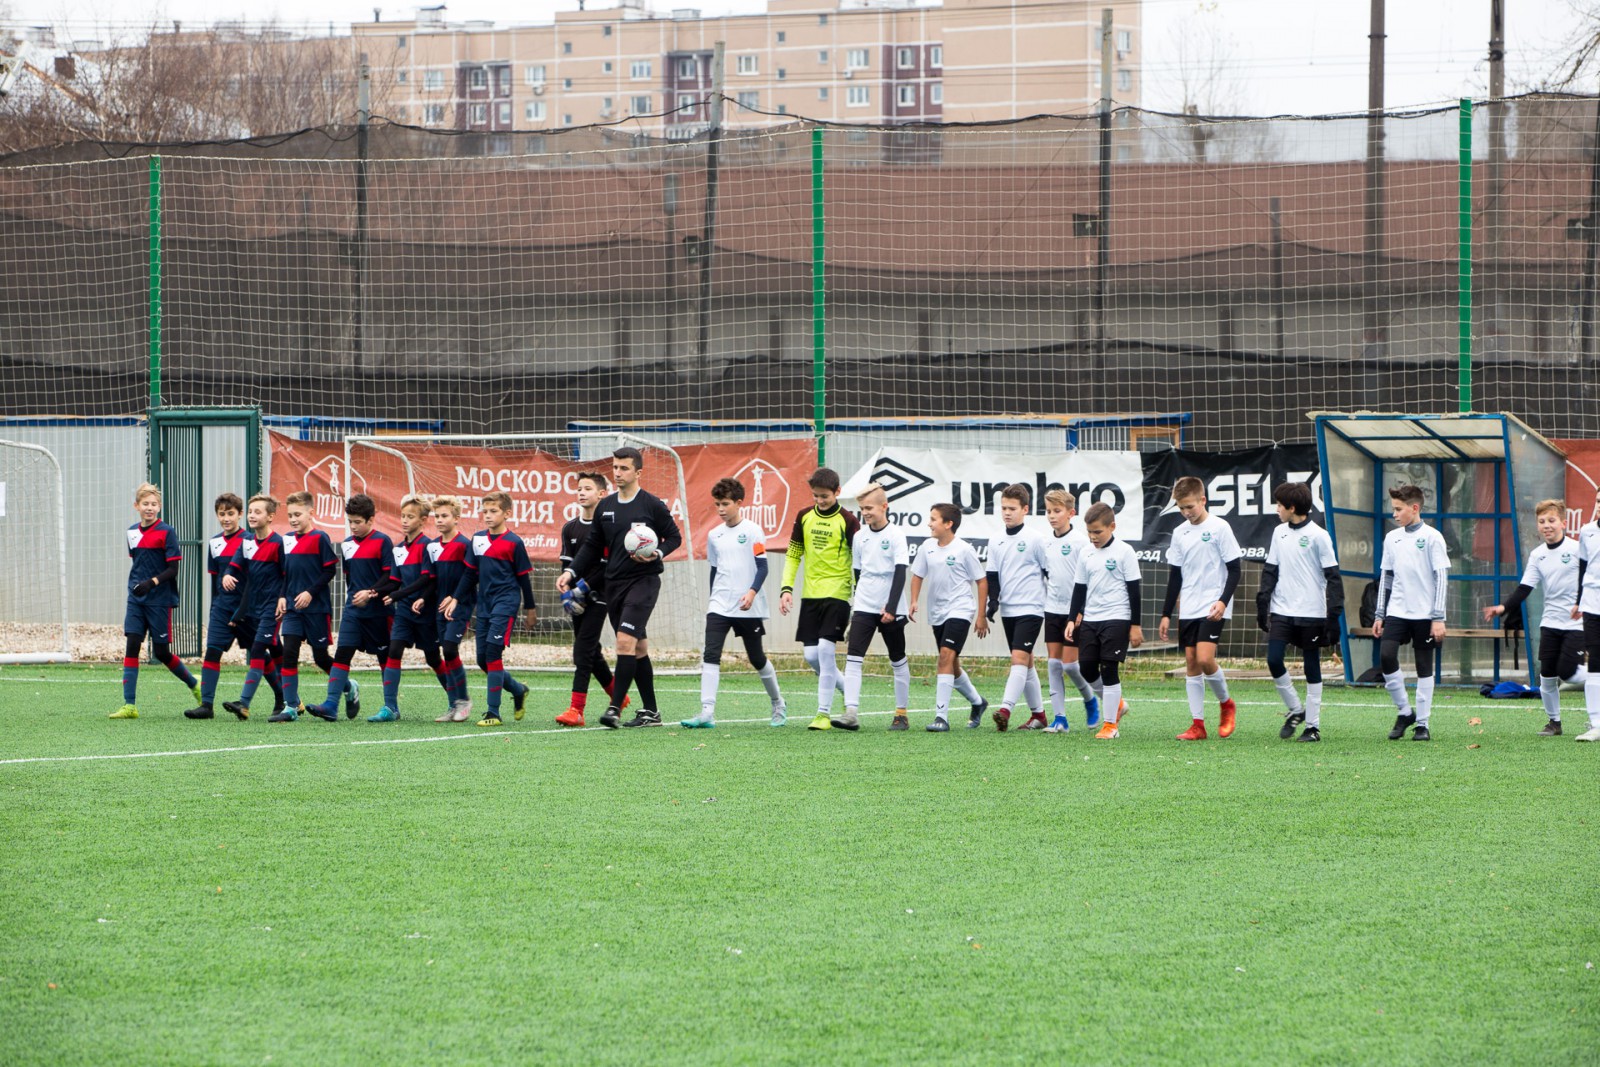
x: 742, y: 538
x: 1206, y: 536
x: 1422, y: 542
x: 289, y: 541
x: 1111, y: 564
x: 1066, y: 550
x: 884, y: 544
x: 1022, y: 546
x: 480, y: 544
x: 949, y: 561
x: 1305, y: 542
x: 1566, y: 557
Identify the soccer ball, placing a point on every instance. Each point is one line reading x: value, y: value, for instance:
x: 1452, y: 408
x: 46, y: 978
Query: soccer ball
x: 640, y: 540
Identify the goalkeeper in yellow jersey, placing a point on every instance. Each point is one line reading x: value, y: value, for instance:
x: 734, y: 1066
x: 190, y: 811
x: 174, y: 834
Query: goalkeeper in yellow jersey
x: 821, y: 540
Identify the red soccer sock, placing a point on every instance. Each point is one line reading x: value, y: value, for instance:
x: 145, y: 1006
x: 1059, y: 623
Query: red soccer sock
x: 580, y: 700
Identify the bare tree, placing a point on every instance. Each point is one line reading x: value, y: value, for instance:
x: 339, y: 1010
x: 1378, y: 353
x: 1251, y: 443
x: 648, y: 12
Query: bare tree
x: 1211, y: 86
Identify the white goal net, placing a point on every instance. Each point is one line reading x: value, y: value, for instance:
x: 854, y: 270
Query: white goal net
x: 33, y: 557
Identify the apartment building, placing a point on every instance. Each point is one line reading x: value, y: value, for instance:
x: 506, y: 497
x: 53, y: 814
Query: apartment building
x: 867, y: 61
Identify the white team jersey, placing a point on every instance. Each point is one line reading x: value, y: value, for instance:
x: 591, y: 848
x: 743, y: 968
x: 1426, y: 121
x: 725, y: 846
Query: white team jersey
x: 1300, y: 556
x: 947, y: 574
x: 733, y: 551
x: 1106, y: 572
x: 1589, y: 552
x: 1555, y: 570
x: 1021, y: 562
x: 1204, y: 551
x: 1412, y: 557
x: 876, y: 554
x: 1062, y: 553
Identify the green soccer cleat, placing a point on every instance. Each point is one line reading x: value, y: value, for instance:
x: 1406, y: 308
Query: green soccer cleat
x: 821, y: 722
x: 386, y: 715
x: 490, y: 721
x: 699, y: 722
x: 286, y: 715
x: 127, y: 711
x: 519, y: 705
x: 199, y: 697
x: 352, y: 702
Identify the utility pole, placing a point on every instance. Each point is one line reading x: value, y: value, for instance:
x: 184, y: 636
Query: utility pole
x: 702, y: 342
x: 363, y: 121
x: 1374, y: 330
x: 1102, y: 258
x: 1494, y: 206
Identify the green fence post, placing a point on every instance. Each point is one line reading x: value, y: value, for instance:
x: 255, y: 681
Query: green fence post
x: 155, y: 314
x: 819, y: 306
x: 1464, y: 261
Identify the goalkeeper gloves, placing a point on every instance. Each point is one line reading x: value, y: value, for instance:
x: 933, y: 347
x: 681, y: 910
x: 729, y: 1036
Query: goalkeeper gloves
x: 143, y: 587
x: 576, y: 600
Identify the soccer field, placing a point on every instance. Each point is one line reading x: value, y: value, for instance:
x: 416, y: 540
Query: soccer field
x: 241, y: 893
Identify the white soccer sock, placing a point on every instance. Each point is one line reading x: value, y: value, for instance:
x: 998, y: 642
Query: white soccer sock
x: 852, y: 682
x: 1075, y: 672
x: 1058, y: 688
x: 1194, y: 687
x: 1219, y: 685
x: 710, y: 676
x: 1550, y: 697
x: 902, y: 682
x: 769, y: 680
x: 941, y: 695
x: 1099, y: 688
x: 1015, y: 682
x: 964, y: 686
x: 1031, y: 692
x: 1591, y: 699
x: 1396, y: 685
x: 1578, y: 677
x: 1424, y: 699
x: 827, y: 676
x: 1286, y: 693
x: 813, y: 659
x: 1314, y: 704
x: 1113, y: 700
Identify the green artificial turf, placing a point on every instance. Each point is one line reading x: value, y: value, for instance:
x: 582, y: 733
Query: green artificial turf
x: 759, y: 895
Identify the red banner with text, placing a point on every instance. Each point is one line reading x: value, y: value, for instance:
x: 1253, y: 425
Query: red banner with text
x: 1583, y: 479
x: 541, y: 484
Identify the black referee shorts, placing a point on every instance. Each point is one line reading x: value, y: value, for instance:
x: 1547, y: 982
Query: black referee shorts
x: 629, y: 604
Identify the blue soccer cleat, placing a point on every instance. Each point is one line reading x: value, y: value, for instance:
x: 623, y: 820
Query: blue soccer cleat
x: 386, y: 715
x: 1091, y: 712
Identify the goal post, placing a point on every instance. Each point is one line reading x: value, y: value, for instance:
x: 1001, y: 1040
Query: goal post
x: 33, y: 557
x: 540, y: 473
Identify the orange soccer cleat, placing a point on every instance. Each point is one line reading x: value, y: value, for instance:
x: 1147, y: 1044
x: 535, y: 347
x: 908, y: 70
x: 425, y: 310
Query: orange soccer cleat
x: 573, y: 716
x: 1228, y: 709
x: 1196, y: 732
x: 1108, y: 731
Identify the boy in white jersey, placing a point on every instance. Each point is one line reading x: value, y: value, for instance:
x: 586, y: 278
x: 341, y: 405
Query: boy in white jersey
x: 1553, y: 564
x: 1299, y: 603
x: 1588, y: 609
x: 949, y: 566
x: 1204, y: 563
x: 1017, y: 566
x: 1105, y: 611
x: 737, y: 552
x: 881, y: 560
x: 1063, y: 552
x: 1411, y: 591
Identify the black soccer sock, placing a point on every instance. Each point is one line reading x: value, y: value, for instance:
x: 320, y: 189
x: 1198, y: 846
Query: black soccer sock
x: 619, y: 692
x: 601, y: 670
x: 646, y: 678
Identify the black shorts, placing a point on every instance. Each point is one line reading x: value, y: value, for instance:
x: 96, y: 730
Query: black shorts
x: 1560, y: 651
x: 1192, y: 632
x: 1103, y: 642
x: 1022, y: 631
x: 1591, y: 637
x: 822, y: 619
x: 629, y: 605
x: 864, y: 624
x: 1418, y: 633
x: 1302, y: 633
x: 364, y: 633
x: 1055, y: 630
x: 717, y: 628
x: 952, y: 634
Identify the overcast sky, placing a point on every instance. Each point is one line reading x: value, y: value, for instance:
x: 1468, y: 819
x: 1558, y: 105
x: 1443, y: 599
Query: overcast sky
x: 1290, y: 56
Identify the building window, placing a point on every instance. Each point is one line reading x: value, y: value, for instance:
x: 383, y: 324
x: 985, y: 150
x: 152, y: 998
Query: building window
x: 401, y: 113
x: 905, y: 58
x: 566, y: 48
x: 936, y: 93
x: 504, y: 111
x: 782, y: 74
x: 783, y: 109
x: 432, y: 114
x: 607, y: 105
x: 399, y: 42
x: 822, y: 55
x: 605, y: 31
x: 822, y: 93
x: 566, y: 83
x: 639, y: 105
x: 533, y: 75
x: 747, y: 65
x: 1124, y: 80
x: 500, y: 145
x: 749, y: 101
x: 605, y: 68
x: 533, y: 111
x: 857, y: 96
x: 502, y: 82
x: 479, y: 78
x: 936, y: 55
x: 433, y: 79
x: 566, y: 120
x: 907, y: 96
x: 782, y: 37
x: 535, y: 145
x: 1124, y: 40
x: 401, y: 77
x: 478, y: 114
x: 688, y: 68
x: 640, y: 71
x: 856, y: 59
x: 822, y: 20
x: 857, y: 137
x: 687, y: 104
